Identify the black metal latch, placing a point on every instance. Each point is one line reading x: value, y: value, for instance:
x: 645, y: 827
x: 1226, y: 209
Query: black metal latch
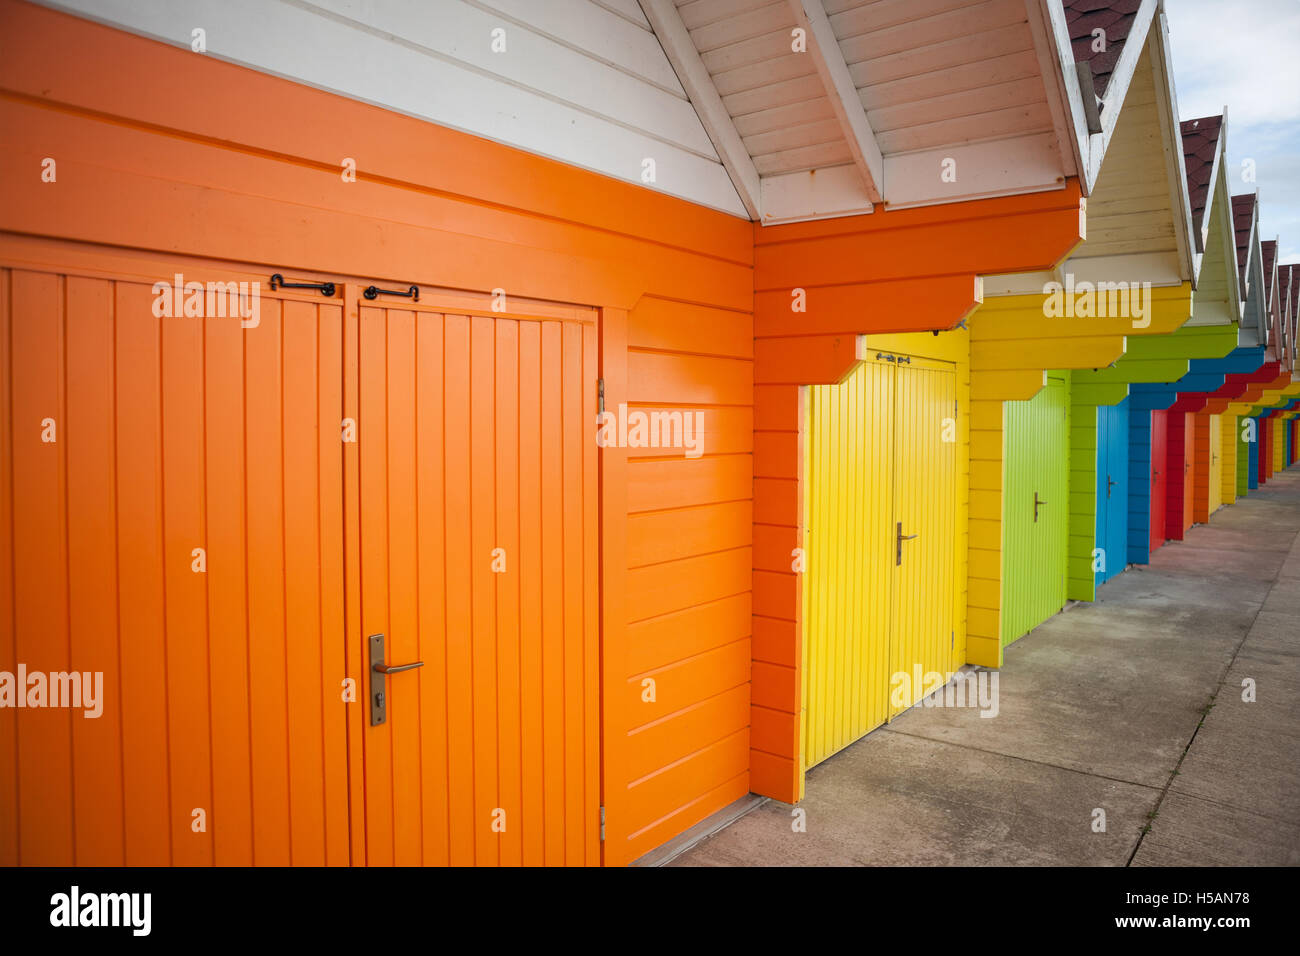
x: 379, y: 686
x: 374, y: 292
x: 325, y: 288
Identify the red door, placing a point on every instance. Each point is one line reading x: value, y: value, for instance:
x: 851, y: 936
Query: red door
x: 1159, y: 476
x: 1264, y: 460
x: 1189, y: 472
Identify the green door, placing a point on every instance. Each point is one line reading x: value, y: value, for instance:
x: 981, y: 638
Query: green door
x: 1035, y: 512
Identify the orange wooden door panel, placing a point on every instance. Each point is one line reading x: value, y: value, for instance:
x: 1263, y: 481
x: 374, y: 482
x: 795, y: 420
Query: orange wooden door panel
x: 222, y: 686
x: 478, y: 556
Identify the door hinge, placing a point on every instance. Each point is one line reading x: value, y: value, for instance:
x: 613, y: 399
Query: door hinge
x: 602, y: 823
x: 600, y: 395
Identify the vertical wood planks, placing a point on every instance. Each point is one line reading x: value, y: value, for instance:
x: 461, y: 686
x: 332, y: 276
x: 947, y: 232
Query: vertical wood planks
x: 229, y: 652
x: 456, y: 514
x: 1159, y: 443
x: 509, y: 516
x: 402, y: 626
x: 329, y: 412
x: 478, y: 552
x: 431, y: 574
x: 304, y: 624
x: 44, y: 758
x: 140, y: 566
x: 1037, y: 464
x: 186, y: 609
x: 877, y: 460
x: 482, y: 510
x: 92, y: 531
x: 191, y: 575
x: 528, y: 563
x: 268, y: 668
x: 9, y: 819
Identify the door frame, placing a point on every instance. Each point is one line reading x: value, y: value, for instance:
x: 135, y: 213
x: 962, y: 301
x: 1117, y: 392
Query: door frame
x: 98, y: 260
x: 916, y: 359
x: 467, y: 303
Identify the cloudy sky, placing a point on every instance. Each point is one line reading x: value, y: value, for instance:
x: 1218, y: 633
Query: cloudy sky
x: 1245, y: 54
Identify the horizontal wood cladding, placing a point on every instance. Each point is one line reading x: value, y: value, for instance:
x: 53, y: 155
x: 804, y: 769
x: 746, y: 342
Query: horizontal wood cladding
x: 971, y: 238
x: 193, y: 142
x: 689, y: 556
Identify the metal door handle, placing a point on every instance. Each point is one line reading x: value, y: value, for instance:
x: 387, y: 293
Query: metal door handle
x: 1038, y: 502
x: 385, y: 669
x: 1109, y: 484
x: 898, y: 554
x: 378, y: 697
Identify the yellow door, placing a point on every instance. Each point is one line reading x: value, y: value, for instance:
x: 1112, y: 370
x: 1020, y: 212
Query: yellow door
x: 849, y: 551
x: 1216, y: 463
x: 880, y: 544
x: 925, y: 517
x: 1228, y: 458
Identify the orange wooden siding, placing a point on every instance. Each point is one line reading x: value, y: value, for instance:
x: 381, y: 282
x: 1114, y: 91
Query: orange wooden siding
x: 689, y: 533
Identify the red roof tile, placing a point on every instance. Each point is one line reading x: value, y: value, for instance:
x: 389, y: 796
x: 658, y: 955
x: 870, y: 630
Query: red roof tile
x: 1295, y: 290
x: 1285, y: 274
x: 1268, y: 249
x: 1295, y: 307
x: 1115, y: 17
x: 1243, y: 215
x: 1200, y: 146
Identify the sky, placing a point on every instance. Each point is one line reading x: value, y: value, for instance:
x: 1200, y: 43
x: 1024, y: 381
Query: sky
x: 1245, y: 54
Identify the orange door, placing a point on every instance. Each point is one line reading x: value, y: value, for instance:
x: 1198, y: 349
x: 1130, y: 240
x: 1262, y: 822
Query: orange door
x: 171, y: 524
x: 477, y: 555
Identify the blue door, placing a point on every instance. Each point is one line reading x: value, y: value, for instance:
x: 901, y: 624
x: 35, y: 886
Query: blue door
x: 1112, y: 490
x: 1252, y: 472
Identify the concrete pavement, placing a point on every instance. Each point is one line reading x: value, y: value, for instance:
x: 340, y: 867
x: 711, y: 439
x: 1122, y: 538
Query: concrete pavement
x: 1129, y: 707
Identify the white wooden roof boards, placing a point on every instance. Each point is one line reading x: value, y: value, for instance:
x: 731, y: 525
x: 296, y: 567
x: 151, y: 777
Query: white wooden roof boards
x: 737, y: 111
x: 901, y: 101
x: 906, y: 102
